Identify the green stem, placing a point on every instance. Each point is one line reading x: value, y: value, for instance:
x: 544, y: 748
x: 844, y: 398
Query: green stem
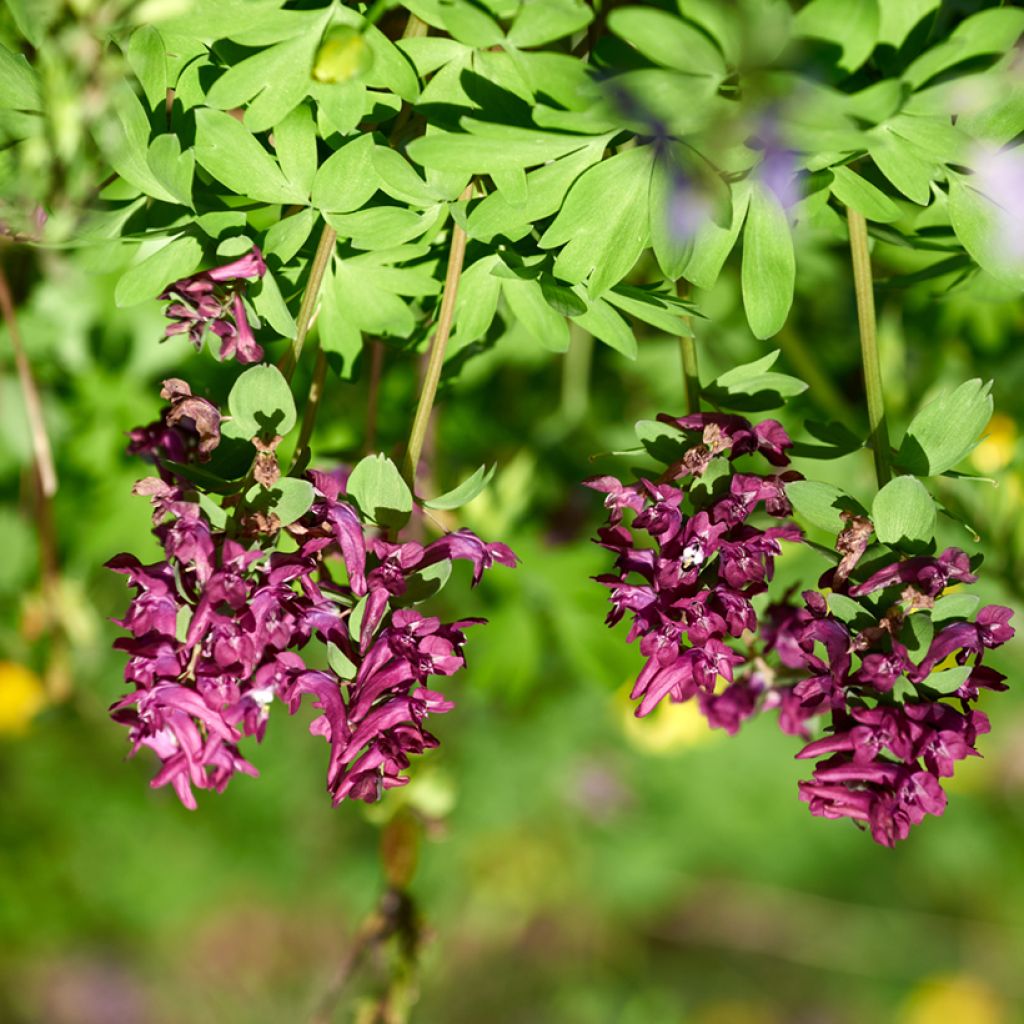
x: 691, y: 378
x: 861, y: 258
x: 435, y: 360
x: 576, y: 375
x: 688, y: 351
x: 322, y: 256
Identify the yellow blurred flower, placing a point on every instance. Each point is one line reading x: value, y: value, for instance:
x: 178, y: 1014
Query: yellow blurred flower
x: 667, y: 728
x: 997, y: 449
x: 22, y: 697
x: 954, y: 997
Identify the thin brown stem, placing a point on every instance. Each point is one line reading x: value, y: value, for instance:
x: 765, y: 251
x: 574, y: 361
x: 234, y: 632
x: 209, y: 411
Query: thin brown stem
x: 438, y: 346
x: 41, y: 451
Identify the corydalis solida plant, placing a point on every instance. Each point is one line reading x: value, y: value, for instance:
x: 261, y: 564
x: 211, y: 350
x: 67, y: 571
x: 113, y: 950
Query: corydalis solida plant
x: 220, y: 629
x: 882, y: 656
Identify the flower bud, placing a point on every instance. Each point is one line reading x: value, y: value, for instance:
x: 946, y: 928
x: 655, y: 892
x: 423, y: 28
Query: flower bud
x: 344, y: 56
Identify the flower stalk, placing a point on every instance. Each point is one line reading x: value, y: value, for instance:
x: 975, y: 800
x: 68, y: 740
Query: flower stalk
x: 688, y: 352
x: 324, y: 251
x: 861, y: 259
x: 438, y: 347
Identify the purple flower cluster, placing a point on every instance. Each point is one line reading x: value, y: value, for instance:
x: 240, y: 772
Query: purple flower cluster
x: 691, y: 560
x: 215, y: 631
x: 213, y: 299
x: 893, y: 733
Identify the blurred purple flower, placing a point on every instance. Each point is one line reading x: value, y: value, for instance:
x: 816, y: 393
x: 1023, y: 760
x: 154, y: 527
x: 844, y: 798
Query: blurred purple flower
x: 999, y: 174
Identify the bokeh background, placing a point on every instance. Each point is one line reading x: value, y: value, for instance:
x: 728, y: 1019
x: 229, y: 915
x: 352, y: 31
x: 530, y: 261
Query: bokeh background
x: 580, y: 867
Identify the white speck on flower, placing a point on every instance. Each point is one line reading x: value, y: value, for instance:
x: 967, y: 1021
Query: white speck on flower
x: 693, y: 555
x: 264, y: 696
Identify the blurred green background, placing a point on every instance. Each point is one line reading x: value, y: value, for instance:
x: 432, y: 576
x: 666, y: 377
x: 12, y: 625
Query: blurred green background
x: 579, y: 867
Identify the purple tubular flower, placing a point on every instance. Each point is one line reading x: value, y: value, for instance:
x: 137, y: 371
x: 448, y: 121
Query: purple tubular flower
x: 213, y: 299
x: 215, y: 631
x: 930, y: 575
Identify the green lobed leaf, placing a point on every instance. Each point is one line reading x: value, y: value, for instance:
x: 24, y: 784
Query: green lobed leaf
x: 147, y: 57
x: 545, y: 190
x: 543, y: 21
x: 419, y: 586
x: 377, y: 487
x: 295, y: 145
x: 903, y: 511
x: 954, y: 606
x: 385, y: 226
x: 754, y: 386
x: 126, y: 143
x: 982, y: 227
x: 268, y: 302
x: 602, y: 321
x: 898, y: 18
x: 260, y: 403
x: 390, y: 69
x: 988, y: 32
x: 819, y: 504
x: 902, y: 164
x: 667, y: 40
x: 236, y: 159
x: 768, y: 272
x: 526, y: 301
x: 476, y: 302
x: 662, y: 441
x: 271, y: 82
x: 917, y: 634
x: 653, y: 307
x: 339, y: 662
x: 946, y: 429
x: 948, y: 681
x: 289, y: 499
x: 287, y: 236
x: 347, y: 179
x: 713, y: 243
x: 464, y: 493
x: 852, y: 25
x: 854, y: 191
x: 340, y: 336
x: 144, y: 281
x: 481, y: 154
x: 602, y: 239
x: 172, y: 168
x: 672, y: 249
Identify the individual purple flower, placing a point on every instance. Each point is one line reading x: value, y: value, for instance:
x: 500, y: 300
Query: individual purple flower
x: 213, y: 299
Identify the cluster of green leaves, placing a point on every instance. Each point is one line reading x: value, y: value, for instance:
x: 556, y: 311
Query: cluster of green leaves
x: 252, y: 121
